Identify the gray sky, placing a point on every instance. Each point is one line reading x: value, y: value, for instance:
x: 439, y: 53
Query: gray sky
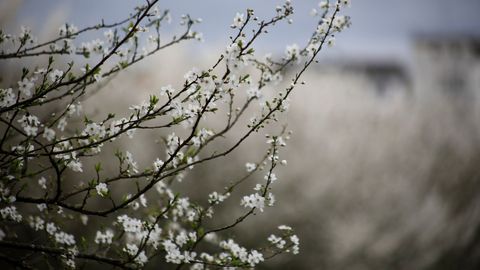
x: 381, y: 28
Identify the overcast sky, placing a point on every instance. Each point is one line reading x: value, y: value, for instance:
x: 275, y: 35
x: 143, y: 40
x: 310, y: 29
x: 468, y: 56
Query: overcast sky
x: 381, y: 28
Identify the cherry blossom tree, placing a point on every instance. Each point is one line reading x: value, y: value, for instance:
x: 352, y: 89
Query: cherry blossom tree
x: 47, y: 141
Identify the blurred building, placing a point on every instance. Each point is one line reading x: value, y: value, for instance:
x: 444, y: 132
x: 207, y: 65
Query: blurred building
x: 385, y: 75
x: 448, y: 63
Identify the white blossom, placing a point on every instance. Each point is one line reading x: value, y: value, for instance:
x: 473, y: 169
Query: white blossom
x: 104, y: 237
x: 255, y: 257
x: 25, y: 86
x: 270, y: 177
x: 277, y: 241
x: 41, y: 207
x: 191, y: 75
x: 51, y: 228
x: 143, y: 200
x: 216, y: 198
x: 69, y: 262
x: 270, y: 199
x: 250, y: 166
x: 254, y: 92
x: 40, y: 71
x: 173, y: 252
x: 284, y: 228
x: 253, y: 201
x: 157, y: 164
x: 37, y: 223
x: 42, y: 182
x: 75, y: 165
x: 62, y: 123
x: 292, y: 51
x: 109, y: 35
x: 10, y: 212
x: 102, y: 189
x: 49, y: 134
x: 296, y: 243
x: 7, y: 97
x: 96, y: 46
x: 29, y: 124
x: 167, y: 90
x: 55, y: 75
x: 74, y: 109
x: 130, y: 162
x: 181, y: 239
x: 188, y: 257
x: 95, y: 130
x: 25, y: 33
x: 155, y: 236
x: 67, y: 29
x: 132, y: 225
x: 64, y: 238
x: 238, y: 20
x: 237, y: 251
x: 84, y: 219
x: 331, y: 41
x: 141, y: 259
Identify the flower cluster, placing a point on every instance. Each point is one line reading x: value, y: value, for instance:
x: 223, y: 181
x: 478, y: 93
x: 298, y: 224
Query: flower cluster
x: 75, y: 180
x: 252, y: 257
x: 102, y: 189
x: 30, y: 124
x: 104, y: 238
x: 10, y: 212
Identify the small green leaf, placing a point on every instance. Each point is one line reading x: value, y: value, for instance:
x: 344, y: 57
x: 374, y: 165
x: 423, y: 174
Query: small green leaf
x: 98, y: 167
